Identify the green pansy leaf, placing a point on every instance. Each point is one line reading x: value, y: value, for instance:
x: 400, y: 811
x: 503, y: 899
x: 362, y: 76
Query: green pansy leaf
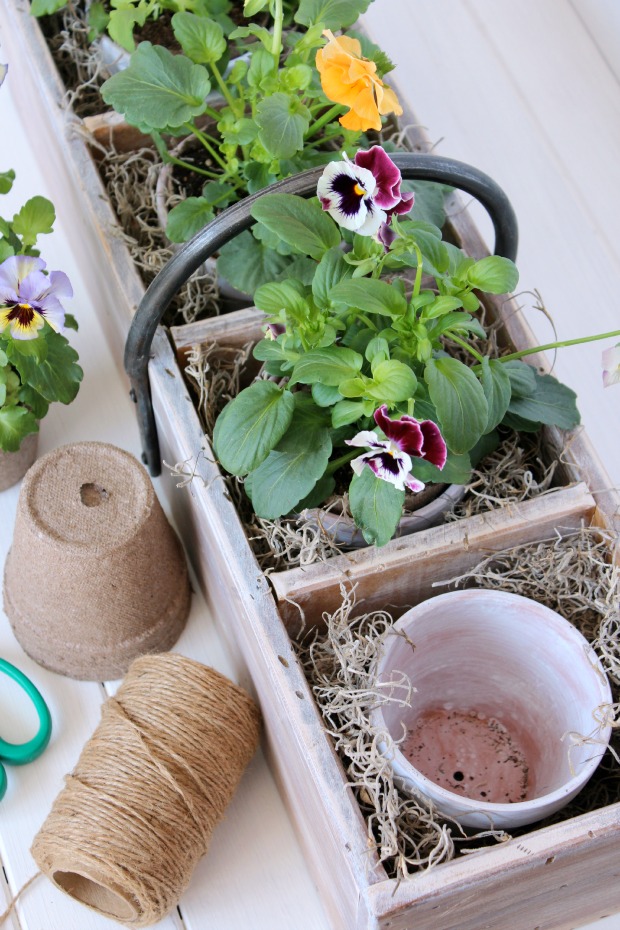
x: 292, y: 469
x: 32, y: 399
x: 457, y: 470
x: 376, y: 506
x: 282, y: 120
x: 46, y: 7
x: 251, y: 425
x: 259, y: 32
x: 440, y: 306
x: 497, y: 390
x: 522, y: 377
x: 301, y: 268
x: 35, y: 218
x: 58, y: 377
x: 346, y: 412
x: 493, y: 274
x: 459, y: 400
x: 335, y: 14
x: 330, y: 366
x: 371, y: 296
x: 15, y: 423
x: 429, y: 201
x: 6, y: 181
x: 325, y: 395
x: 252, y: 7
x: 247, y: 264
x: 301, y: 223
x: 188, y: 218
x: 281, y: 295
x: 122, y: 23
x: 201, y: 39
x: 36, y: 348
x: 393, y: 382
x: 520, y: 424
x: 331, y: 270
x: 323, y: 489
x: 158, y: 90
x: 551, y: 403
x: 485, y: 446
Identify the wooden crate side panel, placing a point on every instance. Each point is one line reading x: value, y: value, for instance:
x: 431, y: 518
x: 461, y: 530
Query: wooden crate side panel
x: 327, y: 819
x: 82, y: 203
x: 409, y: 567
x: 551, y: 879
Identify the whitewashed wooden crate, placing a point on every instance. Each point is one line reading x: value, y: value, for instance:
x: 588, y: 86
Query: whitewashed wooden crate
x: 554, y: 877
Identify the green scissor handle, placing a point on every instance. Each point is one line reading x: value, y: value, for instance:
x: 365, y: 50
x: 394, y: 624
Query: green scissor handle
x: 21, y: 753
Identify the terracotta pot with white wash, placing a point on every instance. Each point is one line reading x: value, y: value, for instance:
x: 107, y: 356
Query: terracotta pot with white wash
x: 508, y: 718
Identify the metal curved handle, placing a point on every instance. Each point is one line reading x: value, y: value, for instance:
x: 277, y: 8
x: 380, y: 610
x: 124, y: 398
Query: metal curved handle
x: 237, y: 218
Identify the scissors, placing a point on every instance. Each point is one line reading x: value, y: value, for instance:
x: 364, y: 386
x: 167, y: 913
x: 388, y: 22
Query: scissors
x: 21, y: 753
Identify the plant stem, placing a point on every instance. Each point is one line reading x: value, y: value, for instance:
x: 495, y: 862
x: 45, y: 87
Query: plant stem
x: 277, y: 31
x: 466, y: 346
x: 230, y: 100
x: 418, y: 272
x: 335, y: 465
x: 322, y: 120
x: 558, y: 345
x: 185, y: 164
x: 215, y: 155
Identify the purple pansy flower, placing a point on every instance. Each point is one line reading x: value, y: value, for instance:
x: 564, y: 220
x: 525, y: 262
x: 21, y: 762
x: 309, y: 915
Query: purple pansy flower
x: 390, y: 458
x: 28, y: 297
x: 361, y: 195
x: 611, y: 365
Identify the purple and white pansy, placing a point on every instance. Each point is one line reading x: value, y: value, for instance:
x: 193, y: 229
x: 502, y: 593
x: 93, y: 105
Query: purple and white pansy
x: 362, y: 195
x: 28, y: 297
x: 611, y: 366
x: 391, y: 458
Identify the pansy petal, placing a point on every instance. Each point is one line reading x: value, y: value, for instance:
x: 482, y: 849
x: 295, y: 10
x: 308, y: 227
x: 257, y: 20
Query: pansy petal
x: 60, y: 285
x: 388, y: 177
x: 15, y: 268
x: 434, y: 448
x: 404, y: 433
x: 413, y: 484
x: 33, y: 286
x: 386, y: 236
x: 26, y: 325
x: 53, y: 311
x: 367, y: 438
x: 391, y: 468
x: 344, y: 191
x: 375, y: 218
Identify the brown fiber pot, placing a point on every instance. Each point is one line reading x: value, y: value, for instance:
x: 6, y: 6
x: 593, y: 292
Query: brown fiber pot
x: 14, y: 465
x: 96, y: 575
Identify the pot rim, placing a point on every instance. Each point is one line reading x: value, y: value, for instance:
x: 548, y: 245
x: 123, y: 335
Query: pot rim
x: 516, y: 813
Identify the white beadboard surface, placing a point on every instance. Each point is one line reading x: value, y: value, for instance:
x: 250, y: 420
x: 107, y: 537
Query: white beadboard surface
x: 528, y: 91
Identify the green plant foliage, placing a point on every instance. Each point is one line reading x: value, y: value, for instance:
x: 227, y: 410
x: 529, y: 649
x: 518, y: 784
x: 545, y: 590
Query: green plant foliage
x: 376, y: 506
x: 159, y: 90
x: 334, y: 14
x: 251, y: 425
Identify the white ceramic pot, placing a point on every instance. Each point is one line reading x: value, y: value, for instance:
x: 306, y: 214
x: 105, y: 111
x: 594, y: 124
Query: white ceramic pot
x: 505, y: 688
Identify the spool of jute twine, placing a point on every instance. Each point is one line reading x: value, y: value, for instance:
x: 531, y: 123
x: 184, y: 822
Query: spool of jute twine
x: 139, y: 809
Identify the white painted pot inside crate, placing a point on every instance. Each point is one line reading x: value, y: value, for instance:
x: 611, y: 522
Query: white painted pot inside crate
x: 495, y: 657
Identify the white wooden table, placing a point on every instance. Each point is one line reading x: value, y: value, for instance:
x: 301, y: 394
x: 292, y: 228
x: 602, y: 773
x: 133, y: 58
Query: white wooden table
x: 254, y: 875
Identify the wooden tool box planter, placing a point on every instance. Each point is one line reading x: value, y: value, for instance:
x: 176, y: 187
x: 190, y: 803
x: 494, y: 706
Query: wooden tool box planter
x: 555, y: 877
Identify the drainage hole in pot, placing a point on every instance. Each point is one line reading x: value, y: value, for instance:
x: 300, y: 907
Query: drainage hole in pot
x: 92, y: 495
x: 469, y: 753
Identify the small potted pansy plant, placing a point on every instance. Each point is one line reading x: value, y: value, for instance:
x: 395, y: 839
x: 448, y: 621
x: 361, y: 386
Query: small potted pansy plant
x: 37, y: 364
x: 377, y: 378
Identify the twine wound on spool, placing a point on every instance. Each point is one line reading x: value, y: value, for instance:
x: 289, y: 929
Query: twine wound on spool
x: 140, y: 807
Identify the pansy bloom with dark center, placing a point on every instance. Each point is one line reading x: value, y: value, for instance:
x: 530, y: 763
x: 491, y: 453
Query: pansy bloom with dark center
x: 391, y: 458
x: 28, y: 297
x: 361, y: 195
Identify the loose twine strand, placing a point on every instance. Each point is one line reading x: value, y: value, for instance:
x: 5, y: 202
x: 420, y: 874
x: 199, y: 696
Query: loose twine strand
x: 140, y: 807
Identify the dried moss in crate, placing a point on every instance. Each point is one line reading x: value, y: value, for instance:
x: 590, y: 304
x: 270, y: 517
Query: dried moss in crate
x: 573, y: 575
x: 518, y: 470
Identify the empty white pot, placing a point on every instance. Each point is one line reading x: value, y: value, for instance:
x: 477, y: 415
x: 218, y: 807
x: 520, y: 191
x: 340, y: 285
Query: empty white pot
x: 503, y: 684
